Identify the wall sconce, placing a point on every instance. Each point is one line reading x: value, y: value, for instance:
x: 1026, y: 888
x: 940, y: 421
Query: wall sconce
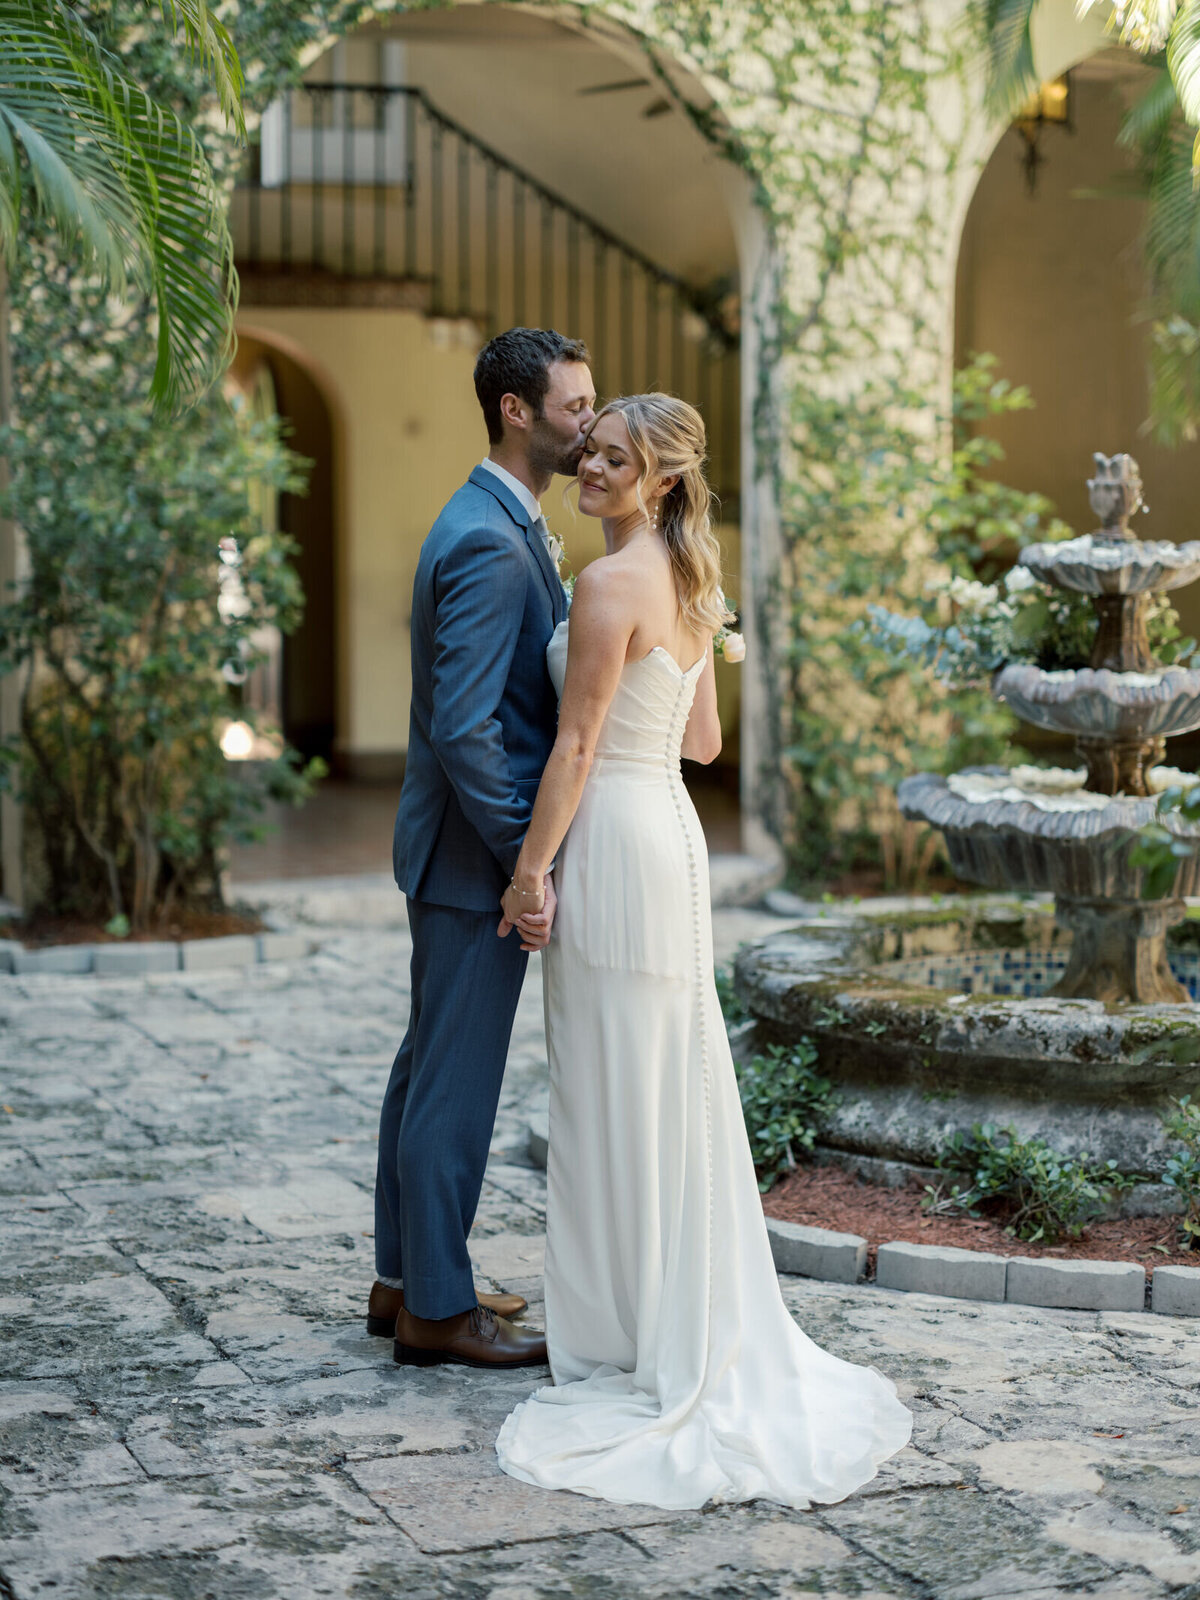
x: 1048, y: 106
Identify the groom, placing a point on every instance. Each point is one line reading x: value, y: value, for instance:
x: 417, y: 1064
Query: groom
x: 486, y: 599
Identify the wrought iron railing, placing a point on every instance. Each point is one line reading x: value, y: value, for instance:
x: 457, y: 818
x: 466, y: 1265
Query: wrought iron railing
x: 368, y: 193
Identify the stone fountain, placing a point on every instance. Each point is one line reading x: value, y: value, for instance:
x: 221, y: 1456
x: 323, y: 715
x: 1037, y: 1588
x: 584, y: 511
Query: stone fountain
x: 1057, y: 1007
x: 1076, y: 839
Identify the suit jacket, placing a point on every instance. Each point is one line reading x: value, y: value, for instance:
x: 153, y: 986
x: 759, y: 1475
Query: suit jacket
x: 486, y: 600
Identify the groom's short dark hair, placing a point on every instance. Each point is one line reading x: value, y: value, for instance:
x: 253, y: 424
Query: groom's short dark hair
x: 518, y: 362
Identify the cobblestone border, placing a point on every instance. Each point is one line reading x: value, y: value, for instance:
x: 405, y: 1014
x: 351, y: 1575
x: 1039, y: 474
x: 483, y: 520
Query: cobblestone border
x: 136, y: 959
x: 982, y: 1275
x: 965, y: 1274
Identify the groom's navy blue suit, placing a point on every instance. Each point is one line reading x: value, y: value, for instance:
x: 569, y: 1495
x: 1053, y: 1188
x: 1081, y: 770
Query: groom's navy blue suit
x: 486, y: 600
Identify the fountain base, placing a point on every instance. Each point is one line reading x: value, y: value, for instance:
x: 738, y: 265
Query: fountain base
x: 1119, y: 951
x: 928, y: 1022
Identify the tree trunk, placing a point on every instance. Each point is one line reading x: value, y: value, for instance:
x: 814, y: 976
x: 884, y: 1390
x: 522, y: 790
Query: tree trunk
x: 12, y: 571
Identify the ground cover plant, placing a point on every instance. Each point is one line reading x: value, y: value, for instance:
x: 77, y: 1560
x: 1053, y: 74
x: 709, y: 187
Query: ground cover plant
x: 1182, y: 1170
x: 1041, y: 1192
x: 784, y: 1100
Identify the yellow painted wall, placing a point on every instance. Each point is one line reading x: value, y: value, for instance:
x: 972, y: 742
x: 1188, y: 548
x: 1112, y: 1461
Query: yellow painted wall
x: 408, y: 431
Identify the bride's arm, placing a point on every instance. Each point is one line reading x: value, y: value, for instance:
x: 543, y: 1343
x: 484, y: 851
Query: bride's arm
x: 601, y: 627
x: 702, y: 736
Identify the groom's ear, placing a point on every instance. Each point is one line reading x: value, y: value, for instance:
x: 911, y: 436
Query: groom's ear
x: 515, y: 411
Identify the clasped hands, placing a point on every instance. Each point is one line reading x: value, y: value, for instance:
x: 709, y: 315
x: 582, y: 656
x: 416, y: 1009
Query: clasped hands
x: 531, y: 919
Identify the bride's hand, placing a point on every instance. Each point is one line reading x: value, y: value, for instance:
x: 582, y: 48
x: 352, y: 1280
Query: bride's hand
x: 533, y: 926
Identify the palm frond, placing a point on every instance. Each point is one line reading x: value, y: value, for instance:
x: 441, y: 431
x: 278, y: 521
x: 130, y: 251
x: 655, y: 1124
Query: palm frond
x: 1005, y: 27
x: 1183, y: 58
x: 1149, y: 117
x: 210, y: 39
x: 126, y: 184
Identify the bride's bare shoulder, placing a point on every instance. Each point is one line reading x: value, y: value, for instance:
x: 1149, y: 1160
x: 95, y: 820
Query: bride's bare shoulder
x: 607, y: 580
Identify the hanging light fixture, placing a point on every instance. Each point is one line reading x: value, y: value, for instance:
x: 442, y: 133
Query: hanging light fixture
x: 1048, y: 106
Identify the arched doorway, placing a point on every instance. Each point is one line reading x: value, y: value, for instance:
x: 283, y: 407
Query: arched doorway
x: 1050, y: 281
x: 308, y: 675
x: 443, y: 174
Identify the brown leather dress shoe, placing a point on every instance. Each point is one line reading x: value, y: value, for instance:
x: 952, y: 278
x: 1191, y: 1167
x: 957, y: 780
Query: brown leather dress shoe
x: 477, y: 1338
x: 385, y: 1305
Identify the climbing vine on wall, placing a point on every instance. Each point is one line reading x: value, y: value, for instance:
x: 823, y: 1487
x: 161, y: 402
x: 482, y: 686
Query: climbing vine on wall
x: 826, y: 104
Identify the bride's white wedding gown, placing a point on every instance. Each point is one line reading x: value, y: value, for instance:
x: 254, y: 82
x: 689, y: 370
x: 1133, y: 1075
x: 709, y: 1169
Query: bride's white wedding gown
x: 679, y: 1376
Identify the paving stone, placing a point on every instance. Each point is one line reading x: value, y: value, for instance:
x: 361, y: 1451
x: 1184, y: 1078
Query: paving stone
x: 135, y: 959
x: 1081, y: 1285
x: 539, y: 1138
x: 448, y: 1503
x: 186, y: 1205
x: 817, y: 1252
x: 1175, y: 1291
x: 203, y: 955
x: 284, y: 946
x: 939, y: 1269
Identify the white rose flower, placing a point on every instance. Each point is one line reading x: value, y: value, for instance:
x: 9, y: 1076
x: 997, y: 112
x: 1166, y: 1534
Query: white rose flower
x: 1017, y: 579
x: 733, y: 647
x: 972, y: 595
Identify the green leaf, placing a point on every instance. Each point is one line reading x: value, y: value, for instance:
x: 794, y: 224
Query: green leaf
x: 1183, y: 58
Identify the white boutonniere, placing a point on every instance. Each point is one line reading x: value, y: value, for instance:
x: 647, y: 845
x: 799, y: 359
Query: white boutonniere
x: 558, y: 554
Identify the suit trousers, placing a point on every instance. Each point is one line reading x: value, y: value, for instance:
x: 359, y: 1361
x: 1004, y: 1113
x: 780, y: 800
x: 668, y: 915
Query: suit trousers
x: 440, y: 1107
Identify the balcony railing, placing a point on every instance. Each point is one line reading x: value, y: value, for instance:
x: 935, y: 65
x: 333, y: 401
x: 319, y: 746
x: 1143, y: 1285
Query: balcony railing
x: 367, y: 194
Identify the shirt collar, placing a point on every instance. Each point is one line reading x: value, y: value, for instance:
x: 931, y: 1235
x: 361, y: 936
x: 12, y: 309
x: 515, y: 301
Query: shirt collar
x: 515, y: 486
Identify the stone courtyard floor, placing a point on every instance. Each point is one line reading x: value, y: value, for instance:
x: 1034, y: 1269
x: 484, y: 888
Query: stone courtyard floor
x: 190, y: 1406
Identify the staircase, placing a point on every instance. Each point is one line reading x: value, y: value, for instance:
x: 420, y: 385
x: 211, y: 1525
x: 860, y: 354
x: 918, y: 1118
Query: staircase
x: 365, y: 194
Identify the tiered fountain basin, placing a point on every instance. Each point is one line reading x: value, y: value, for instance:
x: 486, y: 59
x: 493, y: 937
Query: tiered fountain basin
x: 1104, y: 704
x: 929, y: 1021
x: 1033, y: 830
x: 1095, y: 566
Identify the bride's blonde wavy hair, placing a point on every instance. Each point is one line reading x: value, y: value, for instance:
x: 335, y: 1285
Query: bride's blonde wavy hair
x: 668, y: 435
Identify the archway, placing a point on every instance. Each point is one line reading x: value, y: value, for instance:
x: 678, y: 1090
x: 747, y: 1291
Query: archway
x: 309, y: 667
x: 442, y: 174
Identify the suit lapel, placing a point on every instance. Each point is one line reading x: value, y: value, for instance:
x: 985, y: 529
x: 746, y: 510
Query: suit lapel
x: 537, y: 545
x: 542, y: 556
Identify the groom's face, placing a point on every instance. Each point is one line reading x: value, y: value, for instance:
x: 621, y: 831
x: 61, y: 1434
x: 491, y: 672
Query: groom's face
x: 568, y: 411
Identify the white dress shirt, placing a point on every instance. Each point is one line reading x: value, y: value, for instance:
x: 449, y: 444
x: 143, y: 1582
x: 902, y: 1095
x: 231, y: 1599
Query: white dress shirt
x: 517, y: 487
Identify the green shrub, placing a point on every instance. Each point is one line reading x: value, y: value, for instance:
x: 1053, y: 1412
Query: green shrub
x: 1047, y: 1193
x: 783, y: 1101
x: 732, y: 1008
x: 153, y: 572
x: 1182, y: 1171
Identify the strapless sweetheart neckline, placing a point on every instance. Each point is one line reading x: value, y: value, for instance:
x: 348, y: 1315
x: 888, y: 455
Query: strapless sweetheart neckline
x: 655, y: 650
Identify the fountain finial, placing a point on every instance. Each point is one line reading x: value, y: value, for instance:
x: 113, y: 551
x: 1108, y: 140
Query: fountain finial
x: 1115, y: 494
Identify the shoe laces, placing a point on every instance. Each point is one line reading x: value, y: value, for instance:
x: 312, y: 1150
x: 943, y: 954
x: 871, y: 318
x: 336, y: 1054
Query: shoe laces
x: 484, y: 1324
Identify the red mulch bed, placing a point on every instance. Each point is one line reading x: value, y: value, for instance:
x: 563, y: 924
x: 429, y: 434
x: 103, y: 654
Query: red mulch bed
x: 37, y: 932
x: 828, y: 1197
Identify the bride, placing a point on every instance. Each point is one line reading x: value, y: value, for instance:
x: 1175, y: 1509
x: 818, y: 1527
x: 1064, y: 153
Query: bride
x: 679, y: 1375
